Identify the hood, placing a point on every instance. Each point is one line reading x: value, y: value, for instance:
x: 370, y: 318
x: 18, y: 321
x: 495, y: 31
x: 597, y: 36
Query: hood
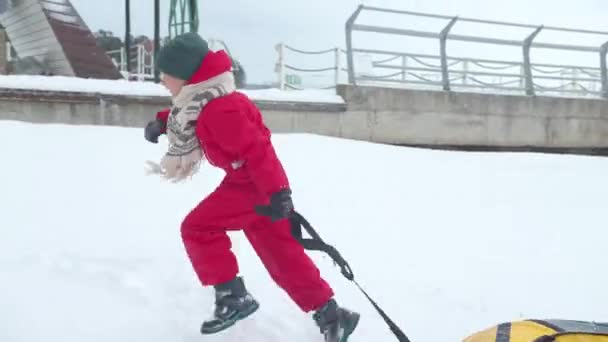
x: 214, y: 64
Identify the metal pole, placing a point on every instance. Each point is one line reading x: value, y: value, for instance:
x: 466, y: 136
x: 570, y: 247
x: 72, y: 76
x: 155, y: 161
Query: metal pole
x: 156, y: 39
x: 603, y: 53
x: 128, y: 35
x: 443, y: 39
x: 281, y: 65
x: 338, y: 65
x: 5, y: 49
x: 404, y: 66
x: 140, y: 60
x: 172, y: 15
x: 194, y: 16
x: 349, y: 45
x: 527, y: 64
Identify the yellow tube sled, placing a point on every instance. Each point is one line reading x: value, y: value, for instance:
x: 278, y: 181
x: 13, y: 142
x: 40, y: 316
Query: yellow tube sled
x: 533, y: 330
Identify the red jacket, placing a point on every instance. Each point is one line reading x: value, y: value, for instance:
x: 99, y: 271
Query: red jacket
x: 231, y: 129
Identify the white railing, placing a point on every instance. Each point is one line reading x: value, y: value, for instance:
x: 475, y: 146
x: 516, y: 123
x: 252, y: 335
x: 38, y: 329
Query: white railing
x: 143, y: 61
x: 332, y: 70
x: 374, y: 67
x: 373, y: 64
x: 9, y: 57
x: 536, y: 78
x: 384, y: 67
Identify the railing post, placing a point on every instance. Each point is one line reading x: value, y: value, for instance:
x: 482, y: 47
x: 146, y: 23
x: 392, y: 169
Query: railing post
x: 604, y: 71
x: 153, y: 64
x: 404, y: 65
x: 527, y: 64
x: 123, y: 59
x: 575, y: 75
x: 9, y: 56
x: 338, y: 65
x: 349, y: 45
x: 140, y: 59
x: 280, y: 66
x: 443, y: 38
x: 4, y: 52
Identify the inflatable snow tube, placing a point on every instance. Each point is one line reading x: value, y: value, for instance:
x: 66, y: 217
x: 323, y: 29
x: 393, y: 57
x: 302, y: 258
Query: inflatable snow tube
x: 543, y: 331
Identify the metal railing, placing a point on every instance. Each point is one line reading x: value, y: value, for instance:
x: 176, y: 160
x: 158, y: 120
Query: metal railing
x: 289, y: 74
x: 142, y: 59
x: 423, y: 69
x: 427, y: 70
x: 447, y: 72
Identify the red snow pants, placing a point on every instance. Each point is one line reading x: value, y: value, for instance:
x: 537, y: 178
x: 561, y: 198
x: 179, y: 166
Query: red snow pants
x: 231, y: 207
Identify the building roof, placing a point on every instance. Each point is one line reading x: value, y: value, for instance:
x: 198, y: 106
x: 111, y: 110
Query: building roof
x: 53, y: 33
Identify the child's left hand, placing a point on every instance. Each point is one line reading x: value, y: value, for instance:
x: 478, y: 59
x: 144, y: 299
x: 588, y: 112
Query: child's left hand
x: 153, y: 130
x: 281, y: 206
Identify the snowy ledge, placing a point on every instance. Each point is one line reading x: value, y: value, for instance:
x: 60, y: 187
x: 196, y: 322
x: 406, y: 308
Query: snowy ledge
x: 75, y: 85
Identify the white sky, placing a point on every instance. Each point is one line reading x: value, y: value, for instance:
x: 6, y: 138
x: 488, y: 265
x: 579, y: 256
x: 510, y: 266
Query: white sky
x: 252, y: 28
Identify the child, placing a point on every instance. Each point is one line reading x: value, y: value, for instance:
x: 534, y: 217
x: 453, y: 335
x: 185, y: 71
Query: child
x: 210, y: 121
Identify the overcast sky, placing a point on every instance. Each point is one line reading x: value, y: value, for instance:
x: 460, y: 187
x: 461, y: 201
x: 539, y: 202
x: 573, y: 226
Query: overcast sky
x: 252, y: 28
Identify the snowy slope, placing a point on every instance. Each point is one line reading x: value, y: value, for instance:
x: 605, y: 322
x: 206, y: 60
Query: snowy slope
x: 449, y: 243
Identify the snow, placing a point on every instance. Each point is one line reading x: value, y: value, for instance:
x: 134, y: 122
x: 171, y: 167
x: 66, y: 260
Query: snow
x: 77, y: 84
x: 137, y: 88
x: 305, y: 95
x: 66, y: 18
x: 58, y: 7
x: 449, y: 243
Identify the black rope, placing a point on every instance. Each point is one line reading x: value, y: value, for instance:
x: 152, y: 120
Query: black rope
x: 315, y: 243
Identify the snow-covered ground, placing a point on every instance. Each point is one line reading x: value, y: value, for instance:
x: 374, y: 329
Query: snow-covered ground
x: 136, y: 88
x: 447, y: 242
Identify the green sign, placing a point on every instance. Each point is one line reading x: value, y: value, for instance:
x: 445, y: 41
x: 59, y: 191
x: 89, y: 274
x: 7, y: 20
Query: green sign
x: 294, y: 80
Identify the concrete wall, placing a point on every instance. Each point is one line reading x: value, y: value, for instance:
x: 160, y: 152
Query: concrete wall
x: 78, y: 108
x: 394, y: 116
x: 132, y: 111
x: 418, y: 117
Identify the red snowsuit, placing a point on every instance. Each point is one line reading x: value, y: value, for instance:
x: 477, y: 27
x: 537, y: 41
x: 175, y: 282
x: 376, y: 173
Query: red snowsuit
x: 231, y: 129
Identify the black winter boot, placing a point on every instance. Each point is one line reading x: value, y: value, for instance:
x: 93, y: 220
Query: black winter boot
x: 232, y: 303
x: 336, y: 323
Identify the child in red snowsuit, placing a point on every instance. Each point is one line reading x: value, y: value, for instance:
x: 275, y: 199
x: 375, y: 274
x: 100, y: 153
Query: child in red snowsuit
x: 211, y: 121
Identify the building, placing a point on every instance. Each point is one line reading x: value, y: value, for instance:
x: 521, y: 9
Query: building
x: 50, y: 37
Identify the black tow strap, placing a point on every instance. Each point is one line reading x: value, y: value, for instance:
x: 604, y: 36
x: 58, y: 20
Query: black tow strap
x: 315, y: 243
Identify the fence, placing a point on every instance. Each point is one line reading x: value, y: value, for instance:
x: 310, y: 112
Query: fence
x: 419, y: 69
x: 574, y: 79
x: 141, y: 58
x: 466, y: 72
x: 290, y: 80
x: 368, y: 66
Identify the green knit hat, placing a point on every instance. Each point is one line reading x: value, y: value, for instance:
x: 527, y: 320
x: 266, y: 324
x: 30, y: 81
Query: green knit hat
x: 182, y: 55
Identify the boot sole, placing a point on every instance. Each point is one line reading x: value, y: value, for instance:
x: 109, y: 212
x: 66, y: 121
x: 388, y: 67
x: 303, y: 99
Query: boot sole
x: 350, y: 331
x: 240, y: 316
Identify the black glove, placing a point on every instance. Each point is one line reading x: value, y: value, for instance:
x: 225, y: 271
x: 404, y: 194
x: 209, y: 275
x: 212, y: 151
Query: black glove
x: 153, y: 130
x: 281, y: 206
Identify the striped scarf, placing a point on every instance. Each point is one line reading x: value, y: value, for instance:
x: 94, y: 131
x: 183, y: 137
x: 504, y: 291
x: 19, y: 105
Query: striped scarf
x: 184, y: 155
